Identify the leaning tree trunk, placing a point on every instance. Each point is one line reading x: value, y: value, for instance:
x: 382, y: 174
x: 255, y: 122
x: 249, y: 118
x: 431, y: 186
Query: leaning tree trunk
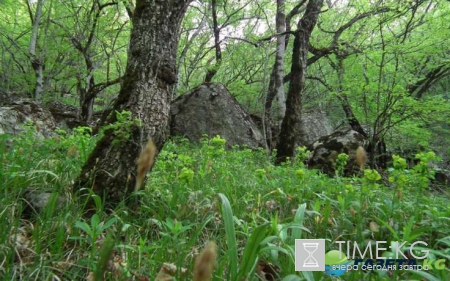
x: 291, y: 122
x: 148, y: 81
x: 352, y: 121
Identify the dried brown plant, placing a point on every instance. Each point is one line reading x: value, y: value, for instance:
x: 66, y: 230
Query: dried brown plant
x: 361, y: 157
x: 145, y: 162
x: 206, y: 262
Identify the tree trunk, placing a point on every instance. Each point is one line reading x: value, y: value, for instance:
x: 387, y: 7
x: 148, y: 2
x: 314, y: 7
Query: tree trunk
x: 149, y: 80
x: 353, y: 122
x: 279, y: 64
x: 212, y: 71
x: 276, y: 85
x: 351, y: 118
x: 87, y: 100
x: 291, y: 122
x: 36, y: 62
x: 87, y: 94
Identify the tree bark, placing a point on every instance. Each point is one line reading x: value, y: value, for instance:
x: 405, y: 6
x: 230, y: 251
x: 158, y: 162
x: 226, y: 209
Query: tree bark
x: 290, y: 127
x: 212, y: 71
x: 276, y: 85
x: 148, y: 82
x: 36, y: 62
x: 353, y: 122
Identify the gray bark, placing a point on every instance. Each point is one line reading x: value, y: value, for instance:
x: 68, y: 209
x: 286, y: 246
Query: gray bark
x: 276, y: 86
x: 149, y: 80
x: 279, y: 63
x: 290, y: 134
x: 36, y: 62
x: 213, y: 71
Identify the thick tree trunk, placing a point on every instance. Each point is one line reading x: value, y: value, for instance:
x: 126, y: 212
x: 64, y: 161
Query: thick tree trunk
x: 291, y: 122
x: 148, y: 83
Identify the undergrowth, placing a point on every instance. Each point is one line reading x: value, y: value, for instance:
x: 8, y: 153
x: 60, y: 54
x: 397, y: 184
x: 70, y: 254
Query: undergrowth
x: 196, y: 193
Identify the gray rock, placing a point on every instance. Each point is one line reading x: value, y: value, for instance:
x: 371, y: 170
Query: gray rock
x: 327, y: 148
x: 210, y: 109
x: 66, y: 116
x: 37, y: 200
x: 314, y: 125
x: 14, y: 116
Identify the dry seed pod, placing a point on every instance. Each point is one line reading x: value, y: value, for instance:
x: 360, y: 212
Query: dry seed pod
x: 206, y: 262
x: 145, y: 162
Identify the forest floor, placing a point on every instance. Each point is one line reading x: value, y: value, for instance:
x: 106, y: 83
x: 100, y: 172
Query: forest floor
x: 196, y: 193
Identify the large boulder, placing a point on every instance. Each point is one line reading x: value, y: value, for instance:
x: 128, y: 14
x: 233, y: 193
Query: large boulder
x: 314, y: 125
x: 15, y: 115
x: 326, y: 149
x: 210, y: 109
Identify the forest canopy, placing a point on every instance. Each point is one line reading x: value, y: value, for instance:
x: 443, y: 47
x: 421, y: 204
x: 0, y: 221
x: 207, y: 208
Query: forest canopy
x: 385, y: 61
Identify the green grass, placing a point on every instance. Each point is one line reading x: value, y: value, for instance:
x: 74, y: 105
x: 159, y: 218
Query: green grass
x: 196, y: 193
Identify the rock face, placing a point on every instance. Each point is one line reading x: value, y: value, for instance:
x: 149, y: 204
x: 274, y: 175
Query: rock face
x: 66, y: 116
x: 327, y: 148
x: 210, y: 109
x: 314, y: 125
x: 13, y: 116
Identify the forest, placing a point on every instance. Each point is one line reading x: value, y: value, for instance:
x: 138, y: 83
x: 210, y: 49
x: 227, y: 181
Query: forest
x: 201, y: 139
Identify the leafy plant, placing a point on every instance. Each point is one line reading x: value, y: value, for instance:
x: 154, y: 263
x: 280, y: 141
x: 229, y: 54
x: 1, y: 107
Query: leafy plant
x: 123, y: 125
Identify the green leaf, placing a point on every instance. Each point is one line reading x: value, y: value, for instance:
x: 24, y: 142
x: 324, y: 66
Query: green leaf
x: 105, y: 255
x: 95, y: 221
x: 308, y: 275
x: 109, y: 223
x: 84, y: 226
x: 298, y: 219
x: 230, y: 233
x: 251, y: 251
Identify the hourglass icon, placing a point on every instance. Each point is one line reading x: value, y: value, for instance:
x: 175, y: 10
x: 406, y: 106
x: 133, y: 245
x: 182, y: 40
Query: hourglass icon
x: 310, y: 248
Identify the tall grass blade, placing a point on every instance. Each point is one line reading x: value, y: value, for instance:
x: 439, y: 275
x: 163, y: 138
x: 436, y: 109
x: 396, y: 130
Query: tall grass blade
x: 104, y: 257
x: 251, y: 251
x: 230, y: 234
x: 298, y: 220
